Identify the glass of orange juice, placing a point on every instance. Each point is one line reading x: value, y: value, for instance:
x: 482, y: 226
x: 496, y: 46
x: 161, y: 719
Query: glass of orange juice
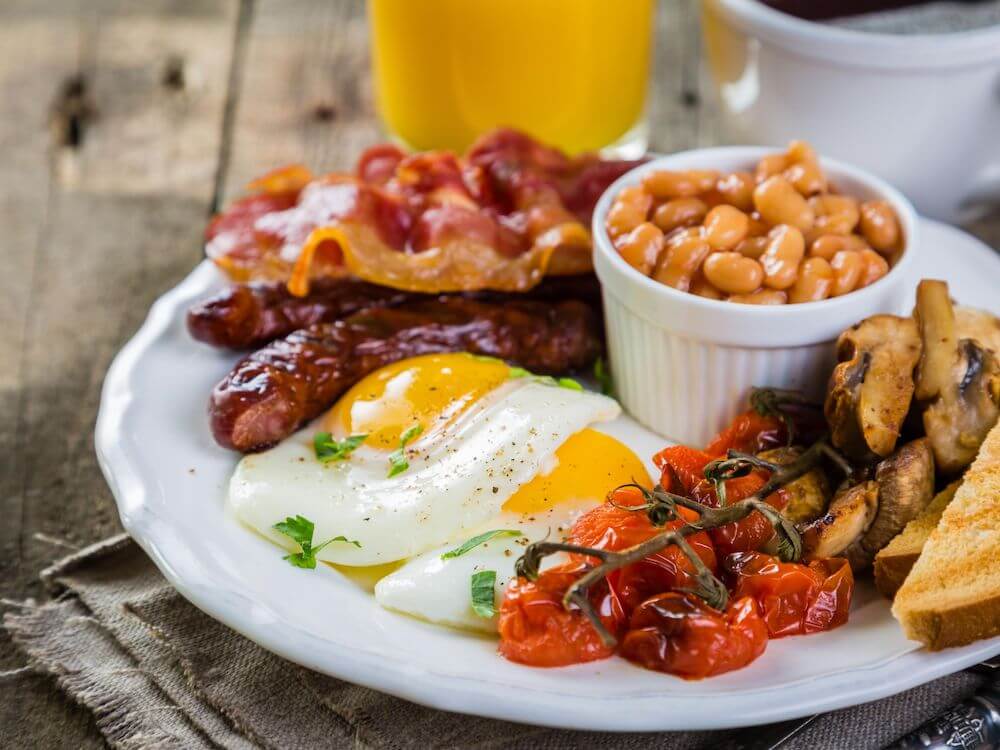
x: 572, y: 73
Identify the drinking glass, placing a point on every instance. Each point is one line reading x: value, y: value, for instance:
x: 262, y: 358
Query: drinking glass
x: 572, y: 73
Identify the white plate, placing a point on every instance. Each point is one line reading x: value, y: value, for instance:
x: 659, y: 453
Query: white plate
x: 168, y: 477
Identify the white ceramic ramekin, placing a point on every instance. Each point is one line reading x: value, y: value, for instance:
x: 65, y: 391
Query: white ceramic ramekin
x: 683, y: 365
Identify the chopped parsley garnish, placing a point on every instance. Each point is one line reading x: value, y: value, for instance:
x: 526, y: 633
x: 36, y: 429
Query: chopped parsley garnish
x: 477, y: 540
x: 603, y: 376
x: 483, y: 603
x: 300, y: 530
x: 486, y: 358
x: 398, y: 463
x: 329, y: 450
x: 520, y: 372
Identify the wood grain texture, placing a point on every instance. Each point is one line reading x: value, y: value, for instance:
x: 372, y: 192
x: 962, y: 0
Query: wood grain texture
x: 121, y: 125
x: 111, y: 120
x: 304, y: 91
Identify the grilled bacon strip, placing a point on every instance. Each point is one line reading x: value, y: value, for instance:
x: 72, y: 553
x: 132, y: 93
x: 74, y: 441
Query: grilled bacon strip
x: 251, y: 315
x: 277, y: 389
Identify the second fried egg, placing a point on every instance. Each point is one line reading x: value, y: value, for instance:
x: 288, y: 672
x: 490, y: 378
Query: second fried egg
x: 435, y: 586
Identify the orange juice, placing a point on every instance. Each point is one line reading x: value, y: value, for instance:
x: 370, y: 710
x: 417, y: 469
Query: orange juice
x: 572, y: 73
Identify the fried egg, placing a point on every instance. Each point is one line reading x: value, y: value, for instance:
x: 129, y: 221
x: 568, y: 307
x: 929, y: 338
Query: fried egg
x: 436, y: 586
x: 490, y: 440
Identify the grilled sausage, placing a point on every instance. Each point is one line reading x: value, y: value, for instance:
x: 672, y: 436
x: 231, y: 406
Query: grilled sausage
x: 275, y: 390
x: 251, y: 315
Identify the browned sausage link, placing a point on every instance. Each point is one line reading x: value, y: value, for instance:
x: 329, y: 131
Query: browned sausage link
x: 248, y: 316
x: 275, y: 390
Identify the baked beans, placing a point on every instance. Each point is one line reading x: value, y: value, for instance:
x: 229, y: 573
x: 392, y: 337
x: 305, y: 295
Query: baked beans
x: 777, y: 233
x: 725, y: 227
x: 681, y: 260
x: 875, y: 268
x: 703, y: 288
x: 752, y: 247
x: 814, y: 282
x: 782, y: 256
x: 733, y: 273
x: 828, y: 245
x: 642, y: 246
x: 880, y: 226
x: 835, y: 214
x: 803, y: 170
x: 628, y: 211
x: 848, y: 266
x: 665, y: 185
x: 679, y: 212
x: 736, y: 189
x: 778, y: 202
x: 761, y: 297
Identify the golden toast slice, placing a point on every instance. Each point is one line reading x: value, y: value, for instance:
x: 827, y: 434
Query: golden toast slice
x: 894, y: 561
x: 952, y: 595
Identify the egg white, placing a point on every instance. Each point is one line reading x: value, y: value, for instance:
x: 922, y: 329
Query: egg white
x: 438, y: 590
x: 459, y: 476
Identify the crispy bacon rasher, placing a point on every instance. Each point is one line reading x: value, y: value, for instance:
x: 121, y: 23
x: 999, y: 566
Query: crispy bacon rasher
x: 502, y: 217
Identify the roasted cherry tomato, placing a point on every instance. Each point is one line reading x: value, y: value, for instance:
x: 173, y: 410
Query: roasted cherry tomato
x: 682, y: 468
x: 748, y: 433
x: 616, y: 528
x: 751, y: 533
x: 794, y: 598
x: 684, y: 473
x: 680, y: 634
x: 536, y: 629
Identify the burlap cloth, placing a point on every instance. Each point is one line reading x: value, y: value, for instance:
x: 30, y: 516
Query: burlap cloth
x: 157, y: 672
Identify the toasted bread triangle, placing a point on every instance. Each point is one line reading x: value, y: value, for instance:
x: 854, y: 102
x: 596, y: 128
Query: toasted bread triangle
x: 894, y: 562
x: 952, y: 595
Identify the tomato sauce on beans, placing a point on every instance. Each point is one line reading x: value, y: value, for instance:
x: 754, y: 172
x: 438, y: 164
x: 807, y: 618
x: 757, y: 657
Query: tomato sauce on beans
x: 778, y: 233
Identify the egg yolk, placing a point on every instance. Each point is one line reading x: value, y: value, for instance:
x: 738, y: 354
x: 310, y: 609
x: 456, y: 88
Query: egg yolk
x: 431, y: 391
x: 590, y: 464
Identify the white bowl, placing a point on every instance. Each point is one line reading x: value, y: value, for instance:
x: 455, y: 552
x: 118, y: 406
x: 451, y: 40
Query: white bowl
x: 919, y: 110
x: 682, y: 364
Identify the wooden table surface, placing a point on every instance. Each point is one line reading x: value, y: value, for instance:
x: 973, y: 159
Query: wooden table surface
x: 123, y: 126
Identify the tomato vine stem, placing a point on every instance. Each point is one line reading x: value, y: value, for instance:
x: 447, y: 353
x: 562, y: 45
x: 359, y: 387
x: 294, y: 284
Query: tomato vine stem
x: 661, y: 507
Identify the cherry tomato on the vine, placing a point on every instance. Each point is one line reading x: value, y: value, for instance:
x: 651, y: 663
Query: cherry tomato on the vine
x: 680, y: 634
x: 617, y: 528
x: 536, y: 629
x: 749, y: 432
x: 794, y: 598
x: 682, y: 468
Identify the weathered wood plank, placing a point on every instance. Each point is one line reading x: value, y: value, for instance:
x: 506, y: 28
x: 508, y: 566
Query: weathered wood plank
x: 674, y: 86
x: 110, y: 130
x: 102, y: 235
x: 305, y: 90
x: 32, y: 51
